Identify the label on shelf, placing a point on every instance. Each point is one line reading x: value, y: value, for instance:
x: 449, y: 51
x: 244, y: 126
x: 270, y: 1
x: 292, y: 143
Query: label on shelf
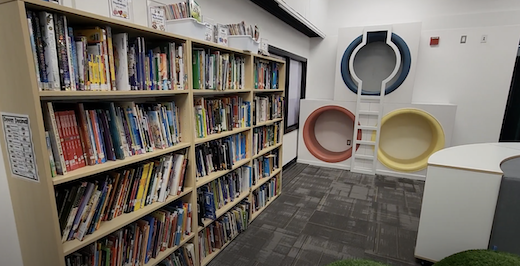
x: 18, y: 138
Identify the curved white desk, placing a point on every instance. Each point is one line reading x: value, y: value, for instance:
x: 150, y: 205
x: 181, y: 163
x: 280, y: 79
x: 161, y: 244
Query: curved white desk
x: 460, y: 196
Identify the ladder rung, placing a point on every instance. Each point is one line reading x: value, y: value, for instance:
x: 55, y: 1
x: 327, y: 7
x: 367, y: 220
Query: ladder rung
x: 364, y: 157
x: 367, y: 127
x: 368, y: 112
x: 368, y: 97
x: 363, y: 170
x: 364, y: 142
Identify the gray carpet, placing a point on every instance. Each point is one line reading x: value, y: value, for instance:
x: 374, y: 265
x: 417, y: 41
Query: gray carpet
x: 325, y: 214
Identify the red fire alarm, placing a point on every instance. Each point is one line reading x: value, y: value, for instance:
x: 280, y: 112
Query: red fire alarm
x: 434, y: 41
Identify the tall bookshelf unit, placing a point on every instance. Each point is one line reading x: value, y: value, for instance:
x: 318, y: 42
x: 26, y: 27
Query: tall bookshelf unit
x: 34, y: 203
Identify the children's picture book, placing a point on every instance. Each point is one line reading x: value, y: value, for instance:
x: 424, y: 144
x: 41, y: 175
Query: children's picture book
x: 120, y: 9
x: 157, y: 18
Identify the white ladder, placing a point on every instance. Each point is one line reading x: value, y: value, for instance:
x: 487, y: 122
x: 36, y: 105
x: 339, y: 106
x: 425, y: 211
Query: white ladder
x: 364, y: 159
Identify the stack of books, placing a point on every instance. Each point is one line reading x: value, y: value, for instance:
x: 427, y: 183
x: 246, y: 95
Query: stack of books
x: 243, y: 29
x: 223, y: 190
x: 88, y: 134
x: 83, y: 206
x: 92, y: 59
x: 221, y: 154
x: 264, y: 166
x: 225, y: 229
x: 266, y: 75
x: 217, y: 115
x: 218, y: 71
x: 266, y: 136
x: 265, y: 193
x: 184, y: 9
x: 267, y: 107
x: 140, y: 241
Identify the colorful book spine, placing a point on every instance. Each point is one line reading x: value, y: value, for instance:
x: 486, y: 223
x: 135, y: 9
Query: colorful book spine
x: 30, y: 18
x: 61, y: 46
x: 111, y: 62
x: 74, y: 58
x: 121, y: 64
x: 42, y: 67
x: 51, y: 156
x: 50, y: 50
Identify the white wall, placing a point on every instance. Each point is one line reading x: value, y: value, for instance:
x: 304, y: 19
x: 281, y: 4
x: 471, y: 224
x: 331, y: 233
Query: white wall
x: 474, y: 76
x: 290, y: 146
x: 10, y: 252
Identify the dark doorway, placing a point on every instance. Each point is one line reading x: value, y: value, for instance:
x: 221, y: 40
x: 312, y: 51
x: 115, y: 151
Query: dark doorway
x: 511, y: 125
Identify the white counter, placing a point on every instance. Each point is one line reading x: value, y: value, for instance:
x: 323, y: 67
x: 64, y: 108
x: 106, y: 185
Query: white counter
x: 460, y: 196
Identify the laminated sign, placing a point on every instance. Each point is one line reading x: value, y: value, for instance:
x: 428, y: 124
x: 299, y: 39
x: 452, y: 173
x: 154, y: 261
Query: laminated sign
x: 120, y: 9
x: 18, y: 138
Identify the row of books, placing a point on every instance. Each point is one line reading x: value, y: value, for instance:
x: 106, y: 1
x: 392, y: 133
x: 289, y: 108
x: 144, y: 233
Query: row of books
x: 184, y: 256
x: 141, y: 241
x: 184, y: 9
x: 215, y: 71
x: 266, y: 136
x: 221, y: 191
x: 82, y: 206
x: 265, y: 165
x: 93, y: 133
x: 221, y: 154
x: 243, y: 29
x: 266, y: 75
x: 93, y: 59
x: 265, y: 193
x: 225, y: 229
x: 216, y: 115
x: 267, y: 107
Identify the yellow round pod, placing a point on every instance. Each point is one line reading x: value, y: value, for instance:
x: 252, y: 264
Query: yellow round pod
x: 408, y: 137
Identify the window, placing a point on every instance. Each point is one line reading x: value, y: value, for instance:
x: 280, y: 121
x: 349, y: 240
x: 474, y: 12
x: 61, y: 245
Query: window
x: 296, y: 73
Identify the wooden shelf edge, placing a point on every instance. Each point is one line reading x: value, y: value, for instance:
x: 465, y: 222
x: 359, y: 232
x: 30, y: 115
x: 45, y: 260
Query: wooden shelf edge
x: 260, y: 91
x: 164, y: 254
x: 253, y: 217
x: 267, y: 123
x: 110, y: 165
x: 265, y: 179
x: 259, y: 56
x: 109, y: 227
x: 216, y: 46
x: 51, y: 95
x: 223, y: 210
x: 206, y: 179
x: 221, y: 135
x: 266, y: 150
x: 216, y: 92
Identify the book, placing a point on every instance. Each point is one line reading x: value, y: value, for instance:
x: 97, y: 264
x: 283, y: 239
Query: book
x: 120, y: 43
x: 50, y: 50
x: 52, y: 164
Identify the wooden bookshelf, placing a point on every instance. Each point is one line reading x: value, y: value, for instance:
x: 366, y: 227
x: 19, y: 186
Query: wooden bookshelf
x: 267, y: 123
x: 217, y: 174
x: 265, y: 179
x: 255, y: 214
x: 224, y: 209
x: 111, y: 165
x: 124, y: 219
x: 268, y: 58
x: 34, y: 203
x: 221, y: 135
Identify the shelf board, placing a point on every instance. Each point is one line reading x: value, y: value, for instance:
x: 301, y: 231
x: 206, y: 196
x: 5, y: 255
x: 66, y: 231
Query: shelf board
x: 259, y: 56
x: 211, y: 256
x: 109, y: 227
x: 216, y: 92
x: 266, y: 91
x: 164, y: 254
x: 110, y: 165
x: 224, y: 209
x: 265, y: 179
x: 78, y: 17
x: 63, y: 95
x: 221, y: 135
x: 215, y: 175
x: 266, y: 150
x: 266, y: 123
x: 253, y: 217
x: 215, y: 46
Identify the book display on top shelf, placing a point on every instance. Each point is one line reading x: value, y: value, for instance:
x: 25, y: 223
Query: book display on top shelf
x: 121, y: 137
x: 216, y: 115
x: 94, y: 59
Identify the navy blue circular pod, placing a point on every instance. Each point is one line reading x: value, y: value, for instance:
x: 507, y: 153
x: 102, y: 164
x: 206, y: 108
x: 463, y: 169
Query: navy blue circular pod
x: 406, y: 60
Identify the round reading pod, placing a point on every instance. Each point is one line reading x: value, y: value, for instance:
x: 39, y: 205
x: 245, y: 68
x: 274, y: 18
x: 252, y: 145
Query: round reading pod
x: 406, y: 62
x: 312, y: 143
x: 407, y: 138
